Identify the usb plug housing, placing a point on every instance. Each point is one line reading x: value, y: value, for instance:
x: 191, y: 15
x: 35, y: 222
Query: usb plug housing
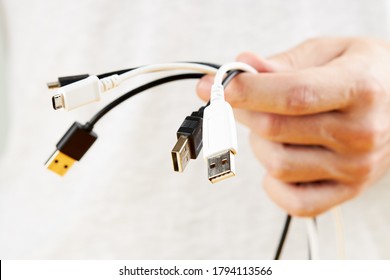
x: 77, y: 94
x: 219, y: 140
x: 71, y: 148
x: 189, y: 143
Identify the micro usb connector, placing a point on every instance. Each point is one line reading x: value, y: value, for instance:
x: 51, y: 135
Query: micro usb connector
x: 77, y: 94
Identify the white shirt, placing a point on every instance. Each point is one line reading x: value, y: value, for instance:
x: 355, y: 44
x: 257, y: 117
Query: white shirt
x: 123, y: 200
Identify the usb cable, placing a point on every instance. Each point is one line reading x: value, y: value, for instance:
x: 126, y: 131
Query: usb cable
x: 211, y: 126
x: 88, y: 89
x: 190, y: 136
x: 219, y: 129
x: 79, y: 138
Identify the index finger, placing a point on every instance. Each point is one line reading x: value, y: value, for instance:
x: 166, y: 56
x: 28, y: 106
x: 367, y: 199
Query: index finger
x: 309, y: 91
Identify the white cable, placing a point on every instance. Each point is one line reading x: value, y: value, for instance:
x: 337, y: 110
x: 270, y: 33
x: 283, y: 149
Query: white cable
x: 313, y: 238
x: 186, y: 66
x: 229, y: 67
x: 217, y: 90
x: 90, y: 89
x: 219, y: 128
x: 115, y: 80
x: 339, y: 230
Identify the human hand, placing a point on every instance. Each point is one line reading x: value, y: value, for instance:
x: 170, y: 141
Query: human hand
x: 319, y: 119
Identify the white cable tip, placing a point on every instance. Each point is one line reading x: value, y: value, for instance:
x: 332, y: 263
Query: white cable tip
x: 219, y: 140
x: 77, y: 94
x: 219, y: 128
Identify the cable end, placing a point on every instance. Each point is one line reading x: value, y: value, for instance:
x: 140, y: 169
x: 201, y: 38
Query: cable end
x: 71, y: 147
x: 221, y: 166
x: 58, y: 101
x: 181, y: 154
x: 77, y: 94
x: 59, y: 163
x: 53, y: 85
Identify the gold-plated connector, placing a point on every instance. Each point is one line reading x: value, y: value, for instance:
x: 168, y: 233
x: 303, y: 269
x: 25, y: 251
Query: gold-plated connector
x: 181, y: 154
x: 52, y: 85
x: 59, y: 163
x: 221, y: 167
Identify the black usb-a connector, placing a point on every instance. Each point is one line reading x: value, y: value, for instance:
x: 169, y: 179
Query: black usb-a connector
x: 189, y: 143
x: 71, y: 148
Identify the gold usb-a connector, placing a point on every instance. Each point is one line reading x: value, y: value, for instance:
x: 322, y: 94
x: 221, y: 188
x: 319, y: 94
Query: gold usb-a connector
x: 181, y: 154
x: 72, y: 147
x: 221, y: 166
x: 59, y: 163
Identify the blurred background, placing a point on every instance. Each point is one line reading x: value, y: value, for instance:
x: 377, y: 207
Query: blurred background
x: 123, y: 200
x: 3, y: 102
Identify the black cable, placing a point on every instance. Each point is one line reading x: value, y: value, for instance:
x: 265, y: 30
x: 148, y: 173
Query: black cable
x: 137, y: 90
x: 155, y: 83
x: 283, y: 237
x: 230, y: 76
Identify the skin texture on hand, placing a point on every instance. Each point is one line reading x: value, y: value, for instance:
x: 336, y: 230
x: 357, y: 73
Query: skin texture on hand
x: 319, y: 119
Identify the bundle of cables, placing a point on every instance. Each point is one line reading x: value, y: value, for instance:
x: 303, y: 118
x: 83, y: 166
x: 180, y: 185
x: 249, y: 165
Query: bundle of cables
x: 212, y: 126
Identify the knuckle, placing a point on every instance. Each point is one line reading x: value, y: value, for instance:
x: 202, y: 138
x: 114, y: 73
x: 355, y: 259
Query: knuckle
x: 300, y: 99
x: 364, y: 168
x: 368, y: 89
x: 355, y: 189
x: 302, y: 207
x: 367, y: 138
x: 289, y: 59
x: 270, y: 125
x: 278, y: 169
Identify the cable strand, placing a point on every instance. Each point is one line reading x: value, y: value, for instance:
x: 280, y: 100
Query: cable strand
x: 92, y: 122
x: 283, y: 237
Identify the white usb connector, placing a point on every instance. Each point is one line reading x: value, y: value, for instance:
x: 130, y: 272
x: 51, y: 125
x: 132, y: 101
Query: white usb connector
x: 77, y: 94
x: 219, y: 128
x: 219, y: 140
